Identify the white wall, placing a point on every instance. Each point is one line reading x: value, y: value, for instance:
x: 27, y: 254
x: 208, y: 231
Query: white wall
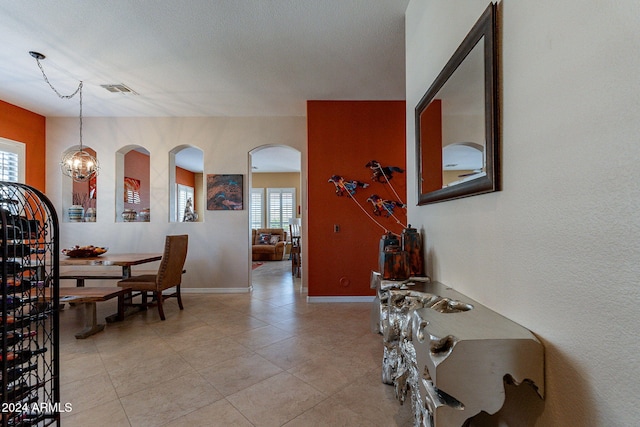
x: 558, y: 249
x: 218, y: 247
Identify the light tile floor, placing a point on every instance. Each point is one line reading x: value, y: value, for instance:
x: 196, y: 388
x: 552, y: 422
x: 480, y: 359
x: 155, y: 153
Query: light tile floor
x: 267, y: 358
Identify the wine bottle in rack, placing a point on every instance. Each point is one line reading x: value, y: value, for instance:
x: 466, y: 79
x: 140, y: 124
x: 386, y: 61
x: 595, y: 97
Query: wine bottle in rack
x: 15, y: 302
x: 29, y: 284
x: 20, y: 390
x: 24, y: 419
x: 18, y: 250
x: 15, y: 337
x: 19, y: 322
x: 16, y: 285
x: 21, y: 356
x: 15, y: 373
x: 14, y: 411
x: 13, y: 266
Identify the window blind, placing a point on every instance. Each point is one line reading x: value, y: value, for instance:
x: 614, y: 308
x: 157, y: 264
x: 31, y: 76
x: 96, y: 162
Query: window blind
x: 280, y: 206
x: 184, y: 193
x: 257, y: 208
x: 9, y: 166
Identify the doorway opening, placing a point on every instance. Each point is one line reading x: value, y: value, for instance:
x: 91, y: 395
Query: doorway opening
x: 275, y: 185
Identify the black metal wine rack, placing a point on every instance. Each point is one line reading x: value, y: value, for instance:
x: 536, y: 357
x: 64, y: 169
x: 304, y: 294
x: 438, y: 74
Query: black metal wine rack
x: 29, y: 335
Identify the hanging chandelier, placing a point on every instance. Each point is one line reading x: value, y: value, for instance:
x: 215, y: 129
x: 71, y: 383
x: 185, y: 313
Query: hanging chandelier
x: 77, y: 164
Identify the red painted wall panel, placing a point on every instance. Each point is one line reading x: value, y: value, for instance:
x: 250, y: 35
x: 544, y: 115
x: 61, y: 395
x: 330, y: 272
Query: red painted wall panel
x: 188, y: 178
x: 25, y: 126
x: 137, y: 166
x: 431, y: 140
x: 185, y: 177
x: 343, y: 136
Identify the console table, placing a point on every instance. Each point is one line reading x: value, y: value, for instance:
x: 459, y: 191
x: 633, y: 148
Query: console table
x: 451, y: 353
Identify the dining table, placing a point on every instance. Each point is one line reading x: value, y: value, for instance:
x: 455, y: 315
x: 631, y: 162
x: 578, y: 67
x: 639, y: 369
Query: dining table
x: 123, y: 260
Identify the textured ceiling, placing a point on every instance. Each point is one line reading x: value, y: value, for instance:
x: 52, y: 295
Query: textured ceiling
x: 201, y: 57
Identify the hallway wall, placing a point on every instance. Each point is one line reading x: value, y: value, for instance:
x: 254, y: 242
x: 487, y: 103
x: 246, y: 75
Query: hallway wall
x: 557, y: 250
x: 219, y: 255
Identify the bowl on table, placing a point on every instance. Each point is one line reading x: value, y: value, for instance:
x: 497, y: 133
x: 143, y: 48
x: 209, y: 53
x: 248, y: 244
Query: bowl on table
x: 84, y: 251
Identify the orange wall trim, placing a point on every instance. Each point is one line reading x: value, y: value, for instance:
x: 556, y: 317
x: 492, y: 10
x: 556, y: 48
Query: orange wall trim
x: 343, y: 136
x: 185, y: 177
x: 29, y: 128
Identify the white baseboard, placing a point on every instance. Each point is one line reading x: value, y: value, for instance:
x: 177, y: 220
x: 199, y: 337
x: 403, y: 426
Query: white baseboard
x: 216, y: 290
x: 341, y: 299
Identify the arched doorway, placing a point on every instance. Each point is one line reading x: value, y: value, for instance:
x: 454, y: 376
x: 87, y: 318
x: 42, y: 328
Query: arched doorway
x: 275, y: 195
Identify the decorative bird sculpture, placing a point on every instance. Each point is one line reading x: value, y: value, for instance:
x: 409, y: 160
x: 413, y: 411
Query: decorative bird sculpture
x: 343, y: 185
x: 382, y: 173
x: 381, y: 206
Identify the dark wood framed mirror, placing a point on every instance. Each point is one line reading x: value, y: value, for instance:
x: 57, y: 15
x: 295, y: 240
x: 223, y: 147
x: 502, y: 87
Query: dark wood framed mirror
x: 457, y: 121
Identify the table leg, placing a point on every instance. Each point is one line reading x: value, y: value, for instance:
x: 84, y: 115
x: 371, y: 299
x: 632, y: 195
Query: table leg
x: 125, y: 308
x: 90, y: 321
x: 121, y: 305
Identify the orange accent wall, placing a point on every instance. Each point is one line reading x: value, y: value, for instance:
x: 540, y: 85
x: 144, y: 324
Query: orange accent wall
x: 185, y: 177
x: 343, y: 136
x: 25, y: 126
x: 136, y: 165
x: 431, y: 143
x: 188, y: 178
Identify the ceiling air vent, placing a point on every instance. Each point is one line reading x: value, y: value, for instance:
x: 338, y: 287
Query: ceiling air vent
x: 120, y: 88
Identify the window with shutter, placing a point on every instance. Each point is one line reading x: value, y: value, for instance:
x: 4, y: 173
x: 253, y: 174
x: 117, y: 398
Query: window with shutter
x: 257, y: 208
x: 184, y: 192
x: 11, y: 161
x: 280, y: 206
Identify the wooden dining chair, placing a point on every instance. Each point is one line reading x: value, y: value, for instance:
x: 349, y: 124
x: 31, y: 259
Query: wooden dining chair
x: 296, y: 249
x: 169, y: 274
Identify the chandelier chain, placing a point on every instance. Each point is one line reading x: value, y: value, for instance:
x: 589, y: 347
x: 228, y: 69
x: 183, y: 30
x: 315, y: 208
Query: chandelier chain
x: 79, y: 165
x: 53, y: 88
x: 61, y: 96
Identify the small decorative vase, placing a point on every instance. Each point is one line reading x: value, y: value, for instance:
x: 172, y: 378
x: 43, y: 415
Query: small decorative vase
x: 412, y: 244
x: 90, y: 215
x: 395, y: 264
x: 76, y: 213
x: 129, y: 215
x: 145, y: 214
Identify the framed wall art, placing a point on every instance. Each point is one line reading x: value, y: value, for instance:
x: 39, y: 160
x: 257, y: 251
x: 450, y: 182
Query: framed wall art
x: 224, y: 192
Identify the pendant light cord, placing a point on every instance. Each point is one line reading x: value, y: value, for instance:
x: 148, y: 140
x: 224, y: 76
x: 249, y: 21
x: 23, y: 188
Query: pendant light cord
x: 54, y: 89
x: 61, y: 96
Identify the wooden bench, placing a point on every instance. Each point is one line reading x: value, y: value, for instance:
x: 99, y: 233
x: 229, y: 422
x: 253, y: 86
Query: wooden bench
x: 88, y: 297
x: 124, y: 309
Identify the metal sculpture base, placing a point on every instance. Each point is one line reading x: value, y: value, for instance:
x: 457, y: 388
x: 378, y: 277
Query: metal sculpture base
x: 450, y: 354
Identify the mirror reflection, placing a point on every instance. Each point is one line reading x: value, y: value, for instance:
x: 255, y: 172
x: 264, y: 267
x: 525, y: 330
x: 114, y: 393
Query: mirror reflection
x: 453, y: 123
x: 463, y: 128
x: 457, y: 121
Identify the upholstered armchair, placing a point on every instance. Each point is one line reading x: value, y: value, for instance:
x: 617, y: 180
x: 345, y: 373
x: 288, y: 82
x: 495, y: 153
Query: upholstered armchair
x: 268, y: 244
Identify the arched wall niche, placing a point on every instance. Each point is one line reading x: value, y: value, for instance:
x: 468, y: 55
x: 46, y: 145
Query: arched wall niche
x: 186, y: 180
x: 133, y: 184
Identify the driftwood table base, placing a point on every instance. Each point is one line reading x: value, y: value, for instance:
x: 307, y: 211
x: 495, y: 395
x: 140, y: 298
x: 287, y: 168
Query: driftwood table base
x: 88, y: 296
